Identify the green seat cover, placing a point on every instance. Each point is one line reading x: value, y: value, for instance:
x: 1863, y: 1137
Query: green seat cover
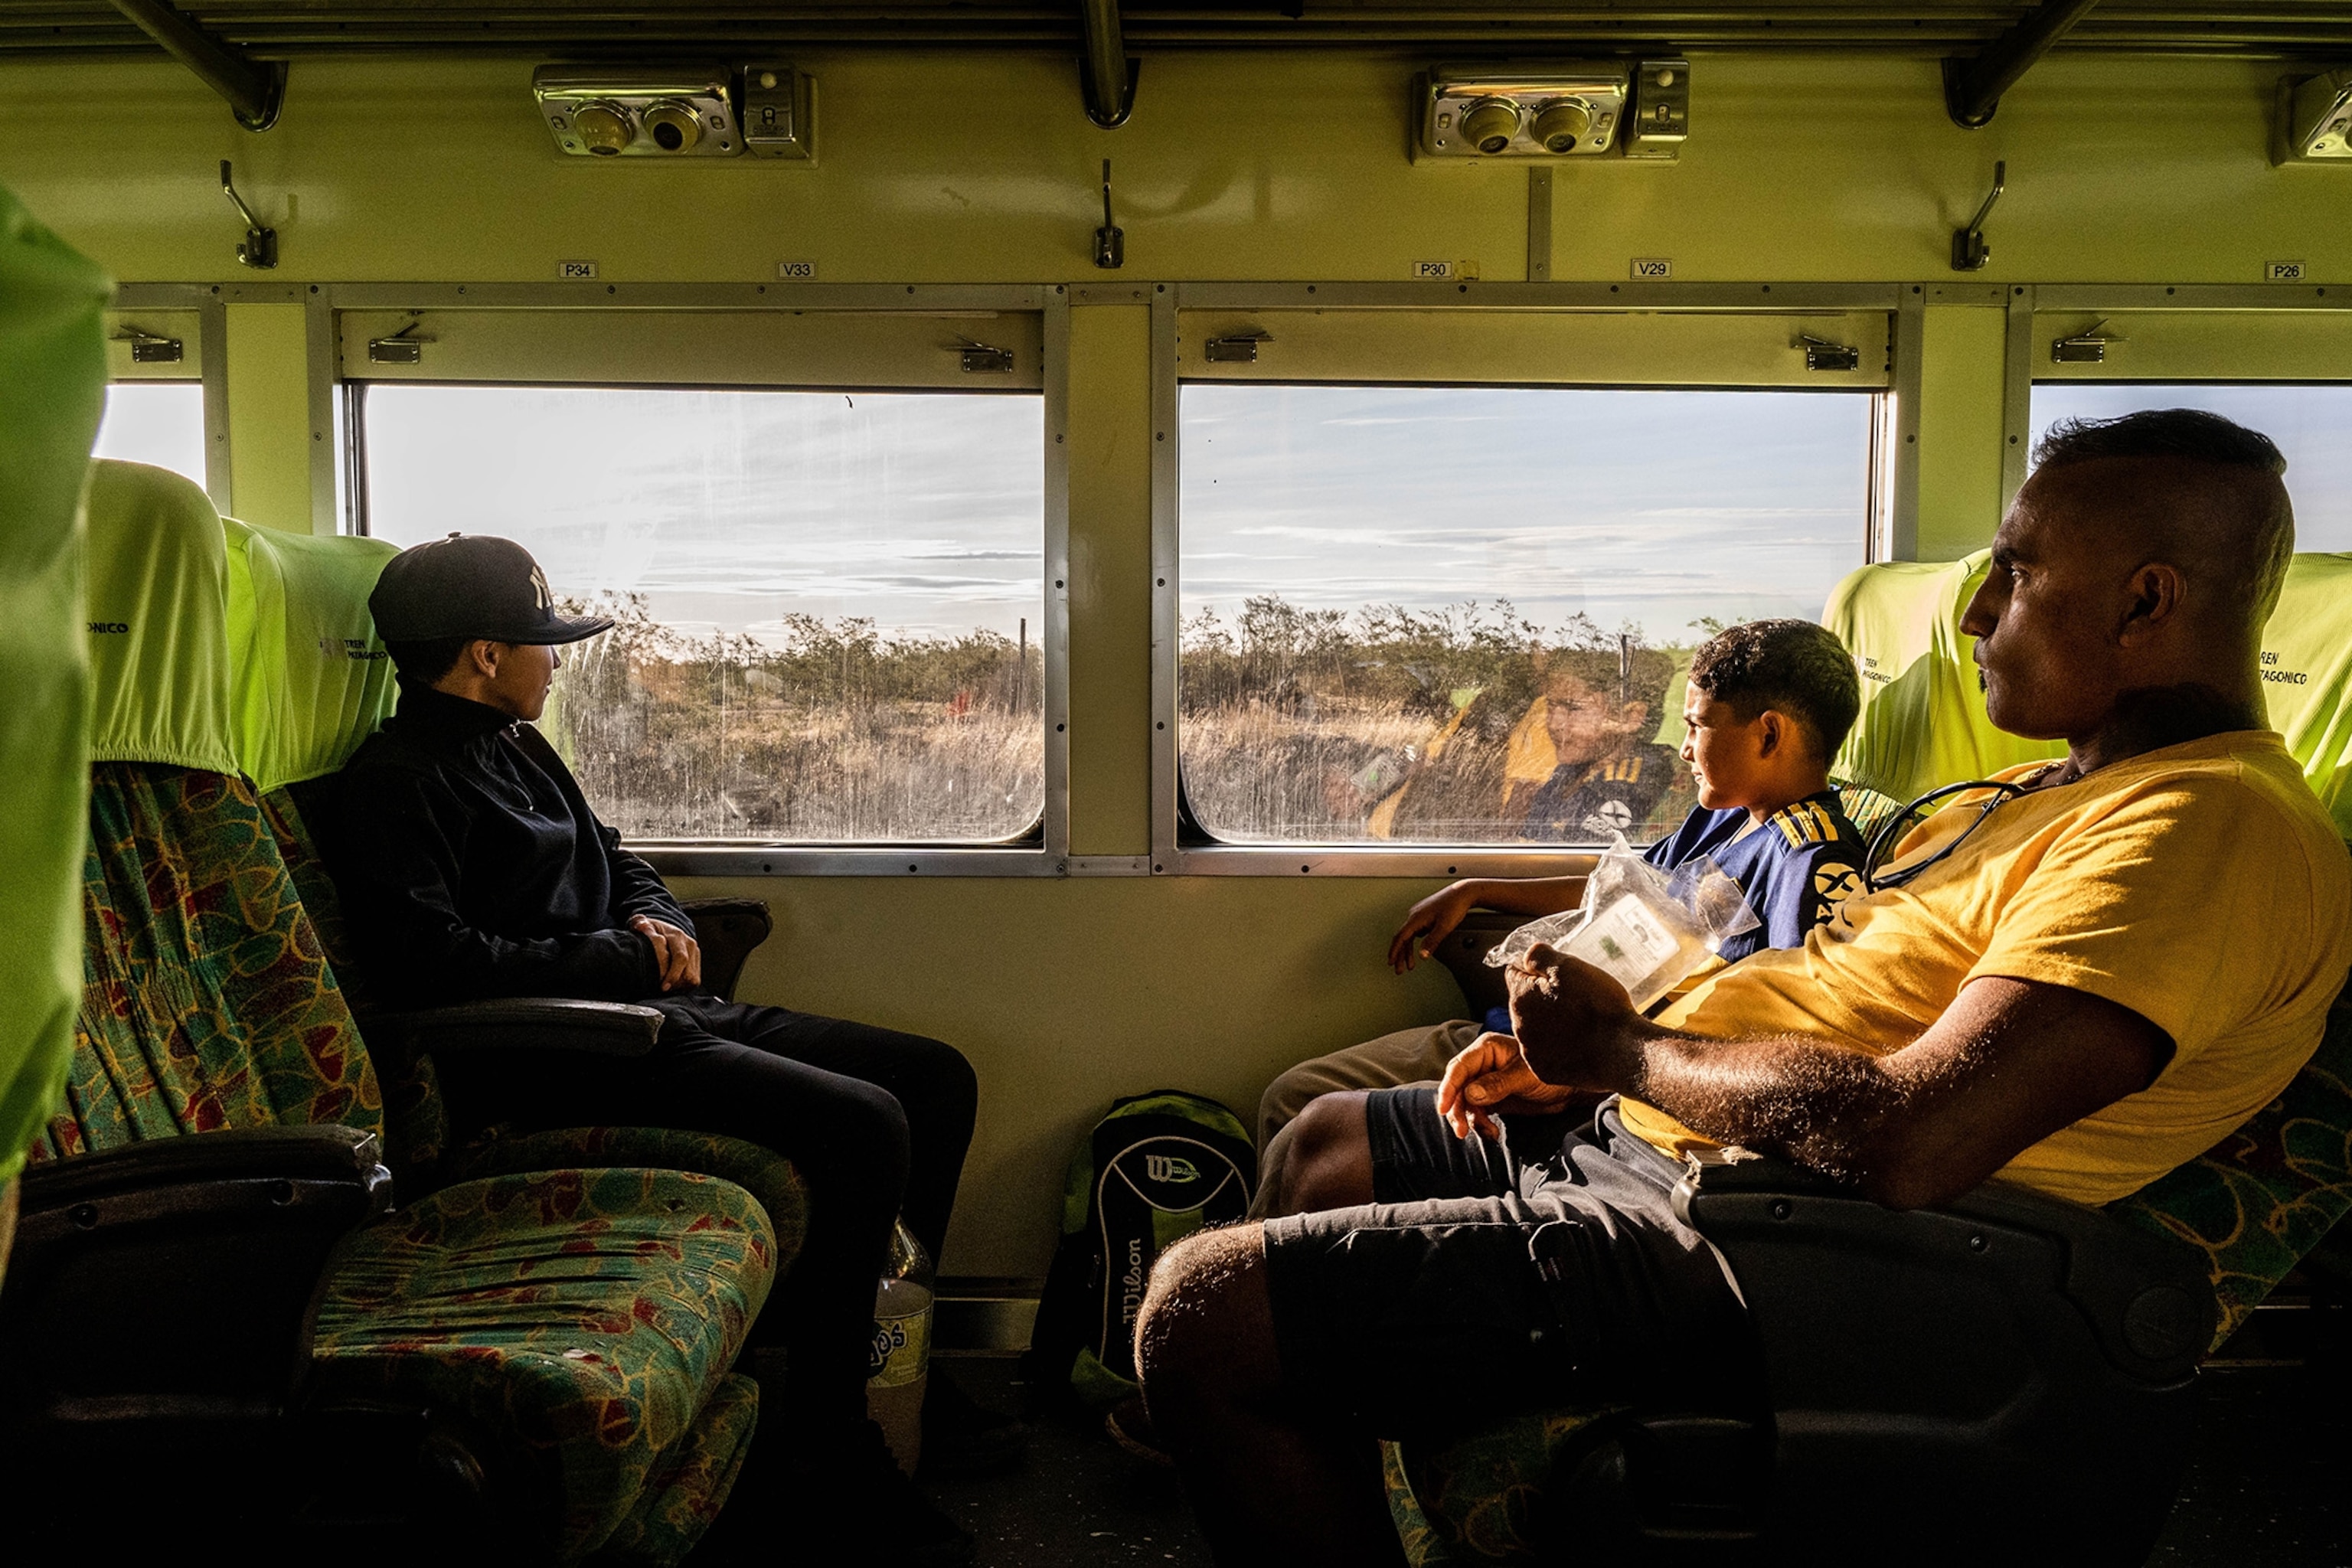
x: 1923, y: 721
x: 158, y: 621
x: 309, y: 677
x: 52, y: 392
x: 2307, y: 676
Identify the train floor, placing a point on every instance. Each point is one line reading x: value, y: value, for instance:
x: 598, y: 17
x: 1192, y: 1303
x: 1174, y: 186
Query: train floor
x: 2266, y: 1488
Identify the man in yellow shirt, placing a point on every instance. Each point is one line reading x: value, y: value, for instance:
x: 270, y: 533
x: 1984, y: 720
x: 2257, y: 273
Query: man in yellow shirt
x: 2074, y: 977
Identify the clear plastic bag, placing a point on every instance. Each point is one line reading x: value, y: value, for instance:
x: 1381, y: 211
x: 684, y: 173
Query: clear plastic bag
x: 1646, y: 928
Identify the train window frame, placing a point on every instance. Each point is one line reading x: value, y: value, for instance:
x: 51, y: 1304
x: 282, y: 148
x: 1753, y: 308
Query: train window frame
x: 2185, y: 336
x: 346, y: 318
x: 196, y: 316
x: 1370, y: 315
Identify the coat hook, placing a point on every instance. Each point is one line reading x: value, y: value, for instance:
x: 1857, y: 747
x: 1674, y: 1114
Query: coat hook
x: 1110, y: 240
x: 260, y: 247
x: 1970, y: 251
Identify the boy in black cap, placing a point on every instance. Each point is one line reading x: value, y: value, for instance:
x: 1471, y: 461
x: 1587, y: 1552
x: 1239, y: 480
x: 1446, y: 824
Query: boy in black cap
x: 473, y: 867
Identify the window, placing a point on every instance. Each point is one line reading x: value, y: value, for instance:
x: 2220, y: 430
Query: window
x: 1457, y: 614
x: 2307, y: 422
x: 158, y: 422
x: 829, y: 604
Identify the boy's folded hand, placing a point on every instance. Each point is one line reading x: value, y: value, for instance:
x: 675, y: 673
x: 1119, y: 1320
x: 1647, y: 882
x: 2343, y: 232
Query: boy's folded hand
x: 1429, y: 923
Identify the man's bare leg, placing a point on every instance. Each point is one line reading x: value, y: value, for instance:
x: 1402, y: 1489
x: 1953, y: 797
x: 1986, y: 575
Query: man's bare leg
x: 1269, y: 1485
x: 1330, y: 1158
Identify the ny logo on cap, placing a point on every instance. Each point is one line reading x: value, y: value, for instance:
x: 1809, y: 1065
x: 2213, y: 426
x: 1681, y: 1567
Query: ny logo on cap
x: 539, y: 588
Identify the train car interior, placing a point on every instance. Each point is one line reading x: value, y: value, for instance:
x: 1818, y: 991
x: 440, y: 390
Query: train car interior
x: 681, y: 679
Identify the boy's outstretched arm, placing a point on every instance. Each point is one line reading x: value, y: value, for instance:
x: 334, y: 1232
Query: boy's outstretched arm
x: 1433, y: 919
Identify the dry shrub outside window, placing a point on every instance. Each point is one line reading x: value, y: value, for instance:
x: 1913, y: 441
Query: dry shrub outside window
x: 836, y: 732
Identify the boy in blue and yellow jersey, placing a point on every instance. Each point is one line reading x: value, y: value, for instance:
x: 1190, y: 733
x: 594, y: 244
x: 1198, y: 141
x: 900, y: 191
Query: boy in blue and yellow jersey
x: 1769, y: 704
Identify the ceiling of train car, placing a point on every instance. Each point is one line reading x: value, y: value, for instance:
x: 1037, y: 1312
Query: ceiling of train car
x: 280, y: 28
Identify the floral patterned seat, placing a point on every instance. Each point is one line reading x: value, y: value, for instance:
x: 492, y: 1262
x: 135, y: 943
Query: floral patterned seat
x: 566, y: 1310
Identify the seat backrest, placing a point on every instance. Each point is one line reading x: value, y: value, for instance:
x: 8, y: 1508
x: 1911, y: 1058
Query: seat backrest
x: 206, y: 1002
x: 52, y: 392
x: 1923, y: 722
x: 309, y: 678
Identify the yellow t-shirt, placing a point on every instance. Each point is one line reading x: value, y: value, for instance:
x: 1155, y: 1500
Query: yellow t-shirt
x: 2201, y: 886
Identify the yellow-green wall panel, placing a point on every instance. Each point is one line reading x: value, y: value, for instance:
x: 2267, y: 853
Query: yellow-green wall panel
x: 1960, y: 429
x: 269, y: 416
x: 1110, y: 579
x: 1065, y: 994
x: 938, y: 167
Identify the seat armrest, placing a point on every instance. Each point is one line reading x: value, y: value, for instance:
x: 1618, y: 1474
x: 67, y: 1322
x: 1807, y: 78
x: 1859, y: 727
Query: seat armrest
x: 2149, y: 1300
x: 727, y: 930
x: 329, y: 1159
x: 1464, y: 953
x: 1923, y: 1363
x: 172, y: 1283
x: 518, y: 1024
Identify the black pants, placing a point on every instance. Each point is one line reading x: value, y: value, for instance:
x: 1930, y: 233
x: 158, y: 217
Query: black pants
x: 876, y: 1122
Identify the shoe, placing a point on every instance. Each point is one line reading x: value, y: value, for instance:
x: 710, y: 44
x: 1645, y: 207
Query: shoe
x: 846, y: 1504
x: 963, y: 1439
x: 1129, y: 1426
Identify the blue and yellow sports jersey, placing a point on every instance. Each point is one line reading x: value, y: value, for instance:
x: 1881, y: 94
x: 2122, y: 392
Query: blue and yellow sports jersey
x: 1796, y: 867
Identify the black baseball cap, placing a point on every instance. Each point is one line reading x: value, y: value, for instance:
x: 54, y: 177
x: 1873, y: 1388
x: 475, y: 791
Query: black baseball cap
x: 471, y: 585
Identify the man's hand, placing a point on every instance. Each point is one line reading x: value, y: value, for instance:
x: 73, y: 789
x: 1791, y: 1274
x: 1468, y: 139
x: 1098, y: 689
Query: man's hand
x: 679, y: 956
x: 1429, y: 923
x: 1573, y: 1022
x: 1490, y: 1077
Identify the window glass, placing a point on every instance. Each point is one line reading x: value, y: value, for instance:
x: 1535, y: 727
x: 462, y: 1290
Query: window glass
x: 158, y: 422
x: 2307, y: 423
x: 1449, y: 614
x: 830, y: 605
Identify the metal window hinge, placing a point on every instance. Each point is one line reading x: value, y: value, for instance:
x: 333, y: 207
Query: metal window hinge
x: 2083, y: 348
x: 986, y: 359
x: 150, y: 348
x: 398, y: 348
x: 1822, y: 354
x: 1239, y: 347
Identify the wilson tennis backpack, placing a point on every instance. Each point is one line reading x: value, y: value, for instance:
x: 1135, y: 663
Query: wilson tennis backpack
x: 1158, y: 1167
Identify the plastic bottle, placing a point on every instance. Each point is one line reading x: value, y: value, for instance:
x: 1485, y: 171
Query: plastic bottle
x: 898, y: 1368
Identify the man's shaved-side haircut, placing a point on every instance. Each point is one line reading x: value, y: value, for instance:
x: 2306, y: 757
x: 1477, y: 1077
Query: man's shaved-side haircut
x: 2239, y: 528
x: 1796, y: 668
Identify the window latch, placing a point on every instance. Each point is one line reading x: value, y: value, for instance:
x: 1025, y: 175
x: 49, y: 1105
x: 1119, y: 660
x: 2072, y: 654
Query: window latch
x: 2083, y: 348
x: 1239, y: 347
x: 986, y: 359
x: 399, y: 347
x: 150, y: 348
x: 1822, y: 354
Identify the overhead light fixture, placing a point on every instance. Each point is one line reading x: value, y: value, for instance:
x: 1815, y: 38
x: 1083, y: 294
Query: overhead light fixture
x: 2313, y: 122
x: 767, y: 109
x: 1574, y: 109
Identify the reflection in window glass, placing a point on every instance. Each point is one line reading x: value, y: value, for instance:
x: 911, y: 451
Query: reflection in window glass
x: 1447, y: 615
x: 829, y: 604
x: 158, y: 422
x: 2307, y: 422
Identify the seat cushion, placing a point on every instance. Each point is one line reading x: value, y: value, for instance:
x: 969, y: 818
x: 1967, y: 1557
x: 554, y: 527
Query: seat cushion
x: 584, y: 1316
x: 682, y: 1497
x: 1480, y: 1499
x: 767, y: 1176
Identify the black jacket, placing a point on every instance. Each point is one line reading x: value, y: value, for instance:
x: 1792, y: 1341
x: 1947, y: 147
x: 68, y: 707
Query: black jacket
x: 471, y: 866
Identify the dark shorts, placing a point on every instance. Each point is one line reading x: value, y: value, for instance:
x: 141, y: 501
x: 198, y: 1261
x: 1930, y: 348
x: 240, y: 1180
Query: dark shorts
x: 1547, y: 1269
